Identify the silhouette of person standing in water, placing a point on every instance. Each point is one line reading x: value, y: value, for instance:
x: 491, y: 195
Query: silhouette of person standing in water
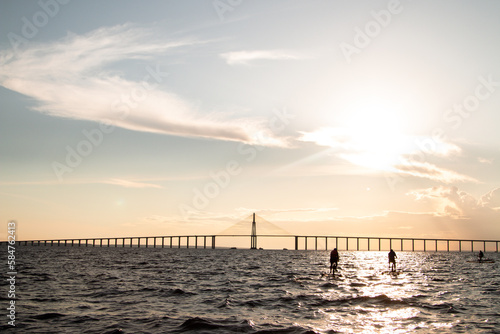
x: 392, y: 260
x: 334, y: 259
x: 481, y: 255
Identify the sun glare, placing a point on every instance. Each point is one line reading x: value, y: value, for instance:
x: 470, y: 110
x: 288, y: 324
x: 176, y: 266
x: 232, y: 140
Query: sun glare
x: 373, y: 133
x: 376, y: 131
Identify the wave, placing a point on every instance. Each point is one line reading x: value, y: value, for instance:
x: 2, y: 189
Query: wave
x: 115, y: 331
x: 48, y: 316
x: 170, y: 292
x: 197, y: 325
x: 382, y: 299
x: 83, y: 319
x: 288, y: 330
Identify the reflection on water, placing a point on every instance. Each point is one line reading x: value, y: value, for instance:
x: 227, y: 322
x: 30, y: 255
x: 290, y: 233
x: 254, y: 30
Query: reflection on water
x: 106, y: 290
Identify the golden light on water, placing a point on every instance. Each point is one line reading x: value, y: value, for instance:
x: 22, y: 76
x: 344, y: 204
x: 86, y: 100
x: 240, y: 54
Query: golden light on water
x: 364, y: 280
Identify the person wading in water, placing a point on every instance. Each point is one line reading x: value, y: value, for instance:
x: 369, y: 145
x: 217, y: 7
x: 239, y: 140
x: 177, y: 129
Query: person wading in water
x: 334, y: 259
x: 392, y: 260
x: 480, y: 256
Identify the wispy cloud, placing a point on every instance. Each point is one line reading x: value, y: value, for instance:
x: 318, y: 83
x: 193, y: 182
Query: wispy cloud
x: 485, y: 161
x: 431, y: 171
x: 131, y: 184
x: 393, y: 153
x: 267, y: 212
x: 113, y: 181
x: 247, y: 57
x: 80, y: 77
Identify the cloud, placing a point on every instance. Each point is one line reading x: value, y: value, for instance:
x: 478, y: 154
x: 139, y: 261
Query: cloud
x: 80, y: 77
x: 247, y: 57
x: 131, y: 184
x: 278, y: 211
x: 390, y: 153
x: 432, y: 172
x: 113, y: 181
x: 458, y: 203
x: 336, y: 138
x: 485, y: 161
x: 491, y: 199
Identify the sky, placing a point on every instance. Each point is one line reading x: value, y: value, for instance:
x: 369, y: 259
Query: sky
x: 366, y: 118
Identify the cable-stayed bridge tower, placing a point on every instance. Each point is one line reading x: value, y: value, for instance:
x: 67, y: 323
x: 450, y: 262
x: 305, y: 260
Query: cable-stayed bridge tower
x: 243, y: 228
x: 253, y: 237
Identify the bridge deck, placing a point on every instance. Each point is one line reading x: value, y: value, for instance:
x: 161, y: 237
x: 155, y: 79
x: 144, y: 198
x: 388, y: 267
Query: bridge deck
x: 340, y: 242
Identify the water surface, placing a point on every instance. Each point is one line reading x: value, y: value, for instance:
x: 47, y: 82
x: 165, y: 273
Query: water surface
x: 139, y: 290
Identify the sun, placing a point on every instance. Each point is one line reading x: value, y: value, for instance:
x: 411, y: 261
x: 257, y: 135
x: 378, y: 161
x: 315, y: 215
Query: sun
x: 371, y: 129
x: 377, y: 132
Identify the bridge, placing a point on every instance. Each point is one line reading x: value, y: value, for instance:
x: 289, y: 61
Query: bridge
x: 299, y: 242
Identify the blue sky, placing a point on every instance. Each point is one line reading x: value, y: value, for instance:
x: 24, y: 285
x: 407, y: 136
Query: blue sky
x: 324, y: 117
